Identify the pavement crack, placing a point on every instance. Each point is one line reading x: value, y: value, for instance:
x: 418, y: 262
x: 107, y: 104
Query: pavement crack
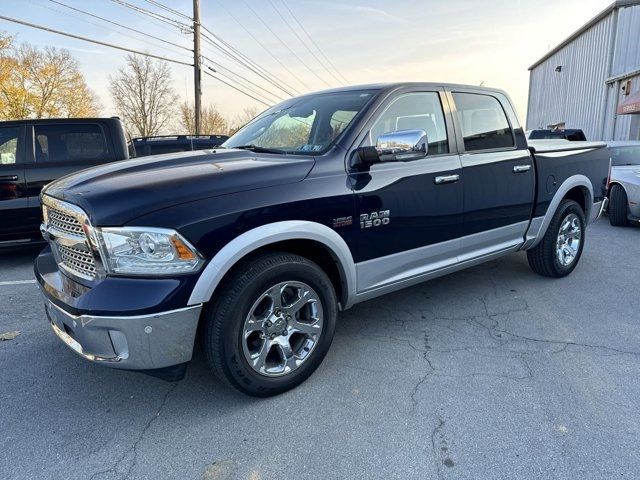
x: 134, y: 447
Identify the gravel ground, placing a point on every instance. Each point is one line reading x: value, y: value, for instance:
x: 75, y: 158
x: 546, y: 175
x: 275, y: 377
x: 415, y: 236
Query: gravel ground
x: 489, y: 373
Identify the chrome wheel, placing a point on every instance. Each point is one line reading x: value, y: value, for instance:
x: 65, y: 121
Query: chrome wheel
x: 282, y: 328
x: 569, y: 238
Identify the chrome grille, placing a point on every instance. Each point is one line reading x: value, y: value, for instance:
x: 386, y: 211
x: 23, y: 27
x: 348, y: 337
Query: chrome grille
x: 77, y: 260
x: 64, y: 223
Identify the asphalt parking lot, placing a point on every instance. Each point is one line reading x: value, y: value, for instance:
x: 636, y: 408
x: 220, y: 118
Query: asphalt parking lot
x: 490, y: 373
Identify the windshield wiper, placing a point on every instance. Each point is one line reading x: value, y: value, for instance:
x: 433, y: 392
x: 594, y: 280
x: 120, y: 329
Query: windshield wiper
x: 257, y: 149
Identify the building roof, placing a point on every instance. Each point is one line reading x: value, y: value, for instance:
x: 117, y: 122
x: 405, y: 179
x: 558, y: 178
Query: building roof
x: 602, y: 15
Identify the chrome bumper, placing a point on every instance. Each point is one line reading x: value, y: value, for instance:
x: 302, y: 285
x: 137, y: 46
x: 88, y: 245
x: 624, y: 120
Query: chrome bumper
x: 142, y: 342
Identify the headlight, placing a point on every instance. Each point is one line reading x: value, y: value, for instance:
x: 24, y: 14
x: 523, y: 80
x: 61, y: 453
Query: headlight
x: 147, y: 251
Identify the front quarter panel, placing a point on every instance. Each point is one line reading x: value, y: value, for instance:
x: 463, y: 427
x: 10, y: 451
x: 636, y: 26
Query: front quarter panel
x: 629, y: 178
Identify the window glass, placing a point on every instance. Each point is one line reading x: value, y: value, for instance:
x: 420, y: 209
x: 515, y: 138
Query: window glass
x: 484, y: 123
x: 308, y: 124
x: 160, y: 149
x: 415, y: 111
x: 8, y: 145
x: 61, y: 143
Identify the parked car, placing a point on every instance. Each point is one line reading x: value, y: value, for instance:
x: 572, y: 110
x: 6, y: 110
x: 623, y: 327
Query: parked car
x: 175, y: 143
x: 624, y: 187
x: 320, y: 203
x: 573, y: 135
x: 36, y: 152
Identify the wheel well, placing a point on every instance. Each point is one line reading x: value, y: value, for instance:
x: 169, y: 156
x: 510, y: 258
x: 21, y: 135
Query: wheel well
x: 311, y: 250
x: 579, y: 195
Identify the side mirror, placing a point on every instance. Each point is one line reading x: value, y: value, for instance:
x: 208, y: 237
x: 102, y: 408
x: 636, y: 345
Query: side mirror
x: 400, y: 146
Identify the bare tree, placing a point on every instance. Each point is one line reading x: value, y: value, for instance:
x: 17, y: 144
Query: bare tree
x: 144, y: 96
x: 211, y: 120
x: 240, y: 120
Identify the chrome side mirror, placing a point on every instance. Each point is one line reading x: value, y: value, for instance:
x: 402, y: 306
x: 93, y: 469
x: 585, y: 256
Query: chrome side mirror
x: 400, y: 146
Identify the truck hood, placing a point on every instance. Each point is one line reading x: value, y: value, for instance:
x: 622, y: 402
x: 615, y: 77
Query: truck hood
x: 116, y: 193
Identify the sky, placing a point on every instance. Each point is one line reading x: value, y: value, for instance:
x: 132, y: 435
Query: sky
x: 459, y: 41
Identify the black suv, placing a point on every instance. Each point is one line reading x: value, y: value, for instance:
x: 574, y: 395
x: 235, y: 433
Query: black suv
x: 36, y: 152
x: 175, y: 143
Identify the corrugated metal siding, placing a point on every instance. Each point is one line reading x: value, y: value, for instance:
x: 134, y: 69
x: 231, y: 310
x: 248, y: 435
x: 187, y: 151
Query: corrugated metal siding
x: 575, y: 95
x: 627, y: 54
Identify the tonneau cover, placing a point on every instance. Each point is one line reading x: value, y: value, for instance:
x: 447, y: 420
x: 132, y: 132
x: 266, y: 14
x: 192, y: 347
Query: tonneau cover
x: 550, y: 146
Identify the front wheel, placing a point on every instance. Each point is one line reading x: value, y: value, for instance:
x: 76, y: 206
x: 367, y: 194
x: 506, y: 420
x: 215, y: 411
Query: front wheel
x: 271, y: 325
x: 559, y: 251
x: 618, y: 210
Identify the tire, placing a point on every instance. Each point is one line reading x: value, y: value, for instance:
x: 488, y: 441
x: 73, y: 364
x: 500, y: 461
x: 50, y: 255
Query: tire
x: 551, y: 257
x: 234, y: 343
x: 618, y: 203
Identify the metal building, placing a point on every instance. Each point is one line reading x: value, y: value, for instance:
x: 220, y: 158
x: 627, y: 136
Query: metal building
x: 592, y: 79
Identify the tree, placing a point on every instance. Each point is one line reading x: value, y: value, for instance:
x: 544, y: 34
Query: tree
x: 143, y: 94
x: 43, y: 83
x: 211, y: 120
x: 240, y: 120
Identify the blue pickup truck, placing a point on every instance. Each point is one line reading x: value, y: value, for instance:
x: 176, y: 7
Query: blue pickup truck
x: 321, y: 202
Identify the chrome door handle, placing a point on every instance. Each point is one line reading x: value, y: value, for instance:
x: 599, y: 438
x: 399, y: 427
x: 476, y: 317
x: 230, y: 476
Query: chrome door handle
x: 12, y: 178
x: 521, y: 168
x: 446, y: 179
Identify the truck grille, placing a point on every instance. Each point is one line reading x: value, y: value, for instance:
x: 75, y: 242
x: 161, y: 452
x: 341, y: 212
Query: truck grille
x: 72, y: 250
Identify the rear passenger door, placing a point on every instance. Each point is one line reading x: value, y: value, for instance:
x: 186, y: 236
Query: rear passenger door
x: 61, y: 149
x: 498, y: 171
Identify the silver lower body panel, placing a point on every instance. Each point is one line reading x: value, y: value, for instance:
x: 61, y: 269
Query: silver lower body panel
x: 141, y: 342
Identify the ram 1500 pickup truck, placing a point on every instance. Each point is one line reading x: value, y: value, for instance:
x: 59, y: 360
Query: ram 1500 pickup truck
x: 319, y: 203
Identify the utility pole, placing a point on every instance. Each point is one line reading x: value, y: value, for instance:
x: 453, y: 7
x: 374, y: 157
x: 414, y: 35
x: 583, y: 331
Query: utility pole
x: 197, y: 72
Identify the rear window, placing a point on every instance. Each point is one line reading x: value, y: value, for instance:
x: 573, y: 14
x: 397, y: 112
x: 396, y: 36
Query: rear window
x: 571, y: 135
x: 484, y: 123
x: 70, y: 142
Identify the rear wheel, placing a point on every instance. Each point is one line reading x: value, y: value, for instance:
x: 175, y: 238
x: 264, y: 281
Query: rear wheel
x: 272, y: 325
x: 618, y: 206
x: 560, y: 249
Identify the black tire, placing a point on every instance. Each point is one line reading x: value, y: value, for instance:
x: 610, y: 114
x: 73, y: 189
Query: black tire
x: 618, y: 207
x: 225, y: 318
x: 543, y: 258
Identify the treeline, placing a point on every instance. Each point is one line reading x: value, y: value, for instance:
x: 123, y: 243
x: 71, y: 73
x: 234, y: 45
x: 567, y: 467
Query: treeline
x: 48, y: 83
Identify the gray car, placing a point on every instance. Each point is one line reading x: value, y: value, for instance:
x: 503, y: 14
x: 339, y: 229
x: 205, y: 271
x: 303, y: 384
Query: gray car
x: 624, y: 187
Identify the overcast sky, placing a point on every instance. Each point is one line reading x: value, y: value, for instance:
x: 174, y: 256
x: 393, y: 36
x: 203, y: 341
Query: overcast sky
x: 461, y: 41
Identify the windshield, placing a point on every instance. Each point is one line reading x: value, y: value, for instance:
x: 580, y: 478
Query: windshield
x: 310, y: 124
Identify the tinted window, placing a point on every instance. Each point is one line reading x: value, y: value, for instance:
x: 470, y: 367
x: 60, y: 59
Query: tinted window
x: 627, y: 155
x: 415, y: 111
x: 61, y: 143
x: 484, y: 123
x: 571, y: 135
x: 8, y: 145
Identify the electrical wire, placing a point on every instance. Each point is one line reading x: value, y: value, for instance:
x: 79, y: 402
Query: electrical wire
x: 304, y: 43
x: 120, y: 25
x: 91, y: 40
x: 313, y: 41
x: 236, y: 88
x: 157, y: 16
x: 169, y: 9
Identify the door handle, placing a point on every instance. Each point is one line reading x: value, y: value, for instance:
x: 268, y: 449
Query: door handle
x: 12, y: 178
x: 521, y: 168
x: 446, y: 179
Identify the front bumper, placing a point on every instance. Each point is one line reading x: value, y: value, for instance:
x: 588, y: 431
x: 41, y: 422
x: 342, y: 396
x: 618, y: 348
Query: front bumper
x: 143, y: 342
x: 135, y: 324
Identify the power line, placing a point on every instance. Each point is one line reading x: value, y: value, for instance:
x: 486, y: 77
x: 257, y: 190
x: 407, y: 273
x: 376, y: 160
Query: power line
x: 304, y: 44
x: 236, y: 88
x: 277, y: 82
x: 157, y: 16
x: 121, y: 25
x: 267, y: 50
x: 261, y: 20
x: 244, y: 63
x: 168, y: 9
x: 91, y: 40
x: 313, y: 41
x: 240, y: 84
x: 222, y: 67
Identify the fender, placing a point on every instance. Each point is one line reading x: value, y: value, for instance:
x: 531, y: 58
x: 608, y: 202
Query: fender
x: 539, y: 225
x: 264, y: 235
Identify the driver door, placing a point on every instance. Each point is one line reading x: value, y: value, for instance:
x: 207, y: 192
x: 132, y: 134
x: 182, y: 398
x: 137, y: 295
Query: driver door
x: 410, y: 213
